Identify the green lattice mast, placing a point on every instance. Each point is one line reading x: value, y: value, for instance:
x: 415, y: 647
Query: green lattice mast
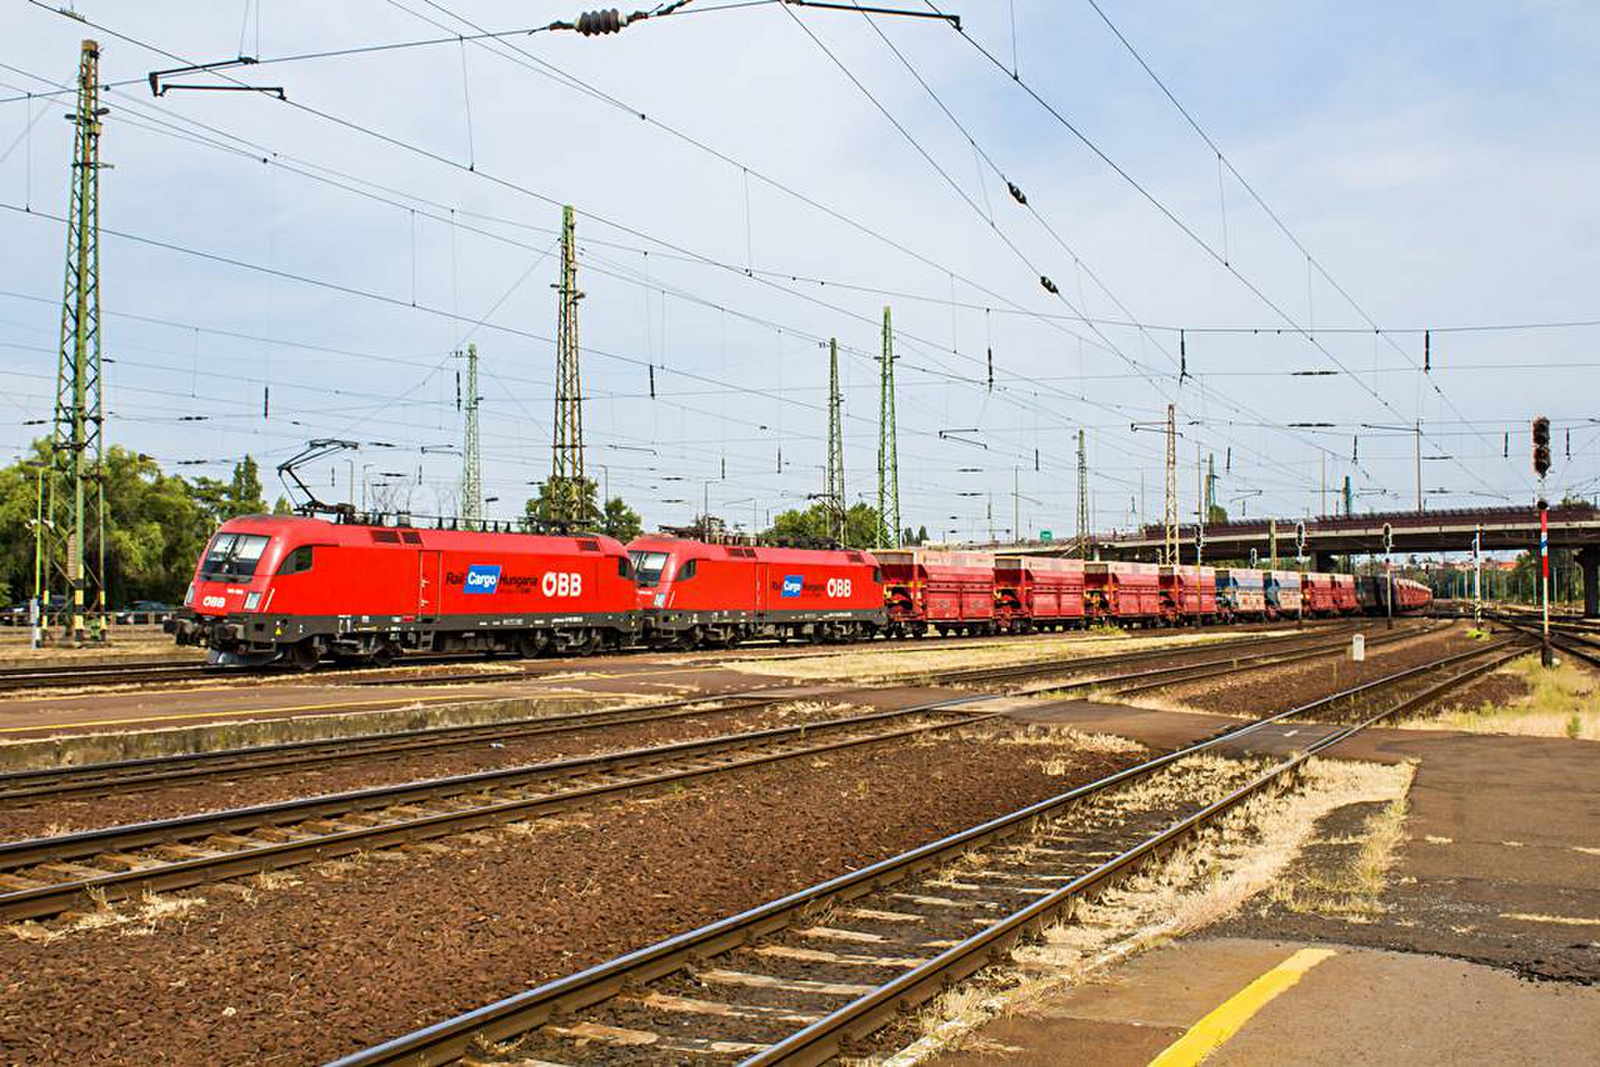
x: 888, y: 446
x: 75, y: 520
x: 833, y: 488
x: 471, y: 456
x: 567, y: 497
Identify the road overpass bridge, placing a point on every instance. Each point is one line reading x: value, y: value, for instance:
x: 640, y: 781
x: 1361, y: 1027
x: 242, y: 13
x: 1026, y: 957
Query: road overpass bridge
x: 1574, y: 526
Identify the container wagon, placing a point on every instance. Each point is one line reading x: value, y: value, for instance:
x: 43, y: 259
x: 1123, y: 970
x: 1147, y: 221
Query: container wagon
x: 289, y: 589
x: 1035, y: 593
x: 693, y: 594
x: 951, y: 592
x: 1345, y: 598
x: 1282, y: 594
x: 1188, y: 594
x: 1122, y: 592
x: 1241, y: 594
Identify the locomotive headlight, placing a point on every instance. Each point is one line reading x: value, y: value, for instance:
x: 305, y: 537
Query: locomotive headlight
x: 661, y: 600
x: 252, y: 601
x: 188, y: 598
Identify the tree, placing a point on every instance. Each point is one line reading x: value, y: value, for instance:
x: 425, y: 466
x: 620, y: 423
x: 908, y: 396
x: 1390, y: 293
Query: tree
x: 922, y: 535
x: 240, y: 495
x: 281, y: 506
x: 813, y: 526
x: 620, y: 521
x: 541, y: 510
x: 1216, y: 515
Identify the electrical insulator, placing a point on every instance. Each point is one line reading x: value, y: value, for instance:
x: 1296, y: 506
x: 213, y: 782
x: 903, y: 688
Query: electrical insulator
x: 1183, y: 356
x: 652, y: 381
x: 1049, y: 286
x: 991, y: 370
x: 1427, y: 351
x: 593, y: 23
x: 1016, y: 194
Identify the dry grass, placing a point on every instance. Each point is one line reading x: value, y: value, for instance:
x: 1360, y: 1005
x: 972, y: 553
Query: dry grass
x: 142, y: 920
x: 1050, y: 734
x: 1559, y: 703
x: 1352, y: 892
x: 1245, y: 853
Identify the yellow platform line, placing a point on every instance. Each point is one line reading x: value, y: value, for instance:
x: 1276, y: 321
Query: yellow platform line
x: 1211, y: 1032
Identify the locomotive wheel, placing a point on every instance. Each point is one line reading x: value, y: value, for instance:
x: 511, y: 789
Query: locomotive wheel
x: 530, y: 645
x: 303, y: 656
x: 383, y: 655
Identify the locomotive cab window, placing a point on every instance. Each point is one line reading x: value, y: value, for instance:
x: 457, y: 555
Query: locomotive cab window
x: 232, y: 556
x: 877, y: 575
x: 297, y: 561
x: 647, y: 566
x: 686, y: 570
x: 624, y: 568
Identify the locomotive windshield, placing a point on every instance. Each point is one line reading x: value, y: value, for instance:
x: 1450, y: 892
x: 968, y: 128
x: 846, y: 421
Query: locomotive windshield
x: 647, y: 566
x: 232, y: 556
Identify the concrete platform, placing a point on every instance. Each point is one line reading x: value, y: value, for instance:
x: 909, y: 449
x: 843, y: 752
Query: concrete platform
x: 1357, y: 1005
x: 1497, y: 882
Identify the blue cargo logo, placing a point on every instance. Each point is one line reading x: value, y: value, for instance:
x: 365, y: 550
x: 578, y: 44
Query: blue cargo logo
x: 792, y: 584
x: 482, y: 578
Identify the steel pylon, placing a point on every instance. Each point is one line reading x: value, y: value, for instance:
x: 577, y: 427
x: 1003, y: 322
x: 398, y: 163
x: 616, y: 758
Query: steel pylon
x: 74, y: 519
x: 568, y: 501
x: 888, y: 445
x: 471, y: 455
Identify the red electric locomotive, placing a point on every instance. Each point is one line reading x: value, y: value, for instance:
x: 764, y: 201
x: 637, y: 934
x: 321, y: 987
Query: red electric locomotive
x: 1122, y: 592
x: 273, y: 588
x: 691, y: 593
x: 951, y: 591
x: 1037, y: 593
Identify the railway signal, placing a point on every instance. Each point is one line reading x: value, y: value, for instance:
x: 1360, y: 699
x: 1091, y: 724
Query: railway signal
x: 1541, y: 465
x: 1541, y: 446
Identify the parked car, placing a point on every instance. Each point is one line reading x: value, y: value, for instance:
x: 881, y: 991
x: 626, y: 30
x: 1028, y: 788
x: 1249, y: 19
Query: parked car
x: 144, y: 611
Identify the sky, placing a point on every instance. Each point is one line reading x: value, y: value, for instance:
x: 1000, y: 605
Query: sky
x: 751, y: 182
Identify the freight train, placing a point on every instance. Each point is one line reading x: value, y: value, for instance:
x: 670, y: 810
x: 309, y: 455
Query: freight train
x: 274, y: 589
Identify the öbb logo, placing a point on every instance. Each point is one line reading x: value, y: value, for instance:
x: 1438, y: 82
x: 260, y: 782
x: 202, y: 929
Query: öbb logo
x: 482, y: 578
x: 838, y: 587
x: 561, y: 583
x: 792, y: 584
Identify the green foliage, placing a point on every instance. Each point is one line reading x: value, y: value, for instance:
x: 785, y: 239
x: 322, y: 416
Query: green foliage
x: 542, y: 510
x: 156, y: 526
x: 620, y: 521
x: 281, y: 506
x: 240, y: 495
x: 1216, y: 515
x: 922, y: 535
x: 811, y: 526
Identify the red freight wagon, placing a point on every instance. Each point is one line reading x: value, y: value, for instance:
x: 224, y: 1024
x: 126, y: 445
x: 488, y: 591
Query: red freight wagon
x: 1344, y: 594
x: 693, y: 593
x: 1118, y: 592
x: 1188, y: 593
x: 1038, y: 592
x: 278, y: 587
x: 1317, y: 590
x: 950, y: 591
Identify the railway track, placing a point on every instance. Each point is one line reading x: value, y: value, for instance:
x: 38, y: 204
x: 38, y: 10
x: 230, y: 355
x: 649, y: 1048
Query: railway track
x: 123, y: 776
x: 46, y: 876
x: 15, y: 679
x: 800, y: 979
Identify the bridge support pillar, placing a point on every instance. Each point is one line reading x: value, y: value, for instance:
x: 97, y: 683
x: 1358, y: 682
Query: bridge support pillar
x: 1589, y: 560
x: 1322, y: 561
